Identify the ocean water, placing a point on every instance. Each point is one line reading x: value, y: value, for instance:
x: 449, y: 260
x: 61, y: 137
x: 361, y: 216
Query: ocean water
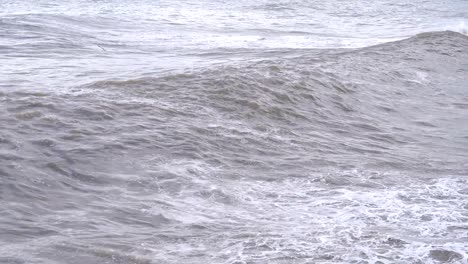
x: 233, y: 131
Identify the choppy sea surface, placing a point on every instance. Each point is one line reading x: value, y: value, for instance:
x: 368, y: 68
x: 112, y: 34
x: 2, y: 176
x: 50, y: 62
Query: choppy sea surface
x: 233, y: 131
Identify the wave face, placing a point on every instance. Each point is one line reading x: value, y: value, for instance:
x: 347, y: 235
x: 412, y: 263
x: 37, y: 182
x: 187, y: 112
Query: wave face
x: 311, y: 156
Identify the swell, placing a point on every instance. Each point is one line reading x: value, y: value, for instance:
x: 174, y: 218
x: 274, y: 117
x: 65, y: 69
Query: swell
x: 390, y: 104
x: 379, y: 100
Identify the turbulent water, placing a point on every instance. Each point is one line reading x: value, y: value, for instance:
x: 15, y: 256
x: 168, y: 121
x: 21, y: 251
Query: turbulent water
x: 246, y: 132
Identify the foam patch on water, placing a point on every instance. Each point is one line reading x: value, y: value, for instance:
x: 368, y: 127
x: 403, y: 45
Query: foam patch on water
x: 314, y: 219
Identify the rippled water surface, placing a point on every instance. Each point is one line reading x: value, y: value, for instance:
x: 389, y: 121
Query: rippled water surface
x: 233, y: 132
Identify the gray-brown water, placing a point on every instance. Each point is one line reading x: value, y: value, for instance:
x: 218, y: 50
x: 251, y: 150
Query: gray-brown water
x: 247, y: 132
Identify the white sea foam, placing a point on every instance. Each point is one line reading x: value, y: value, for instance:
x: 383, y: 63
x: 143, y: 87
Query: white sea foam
x: 459, y: 26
